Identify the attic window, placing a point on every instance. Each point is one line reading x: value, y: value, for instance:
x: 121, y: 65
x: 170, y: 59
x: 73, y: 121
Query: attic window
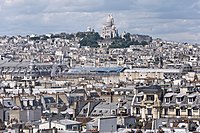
x: 85, y: 110
x: 167, y: 99
x: 9, y: 103
x: 179, y: 99
x: 150, y: 97
x: 139, y: 99
x: 190, y: 99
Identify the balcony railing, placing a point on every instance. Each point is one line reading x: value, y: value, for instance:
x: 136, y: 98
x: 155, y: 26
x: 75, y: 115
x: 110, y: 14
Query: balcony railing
x: 148, y: 102
x: 137, y: 115
x: 181, y: 116
x: 149, y: 115
x: 146, y: 115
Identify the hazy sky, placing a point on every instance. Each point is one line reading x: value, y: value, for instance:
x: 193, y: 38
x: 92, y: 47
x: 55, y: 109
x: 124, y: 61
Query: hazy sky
x: 177, y: 20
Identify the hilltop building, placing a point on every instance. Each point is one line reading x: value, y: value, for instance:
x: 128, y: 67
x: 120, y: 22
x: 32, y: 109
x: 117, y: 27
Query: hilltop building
x: 109, y: 30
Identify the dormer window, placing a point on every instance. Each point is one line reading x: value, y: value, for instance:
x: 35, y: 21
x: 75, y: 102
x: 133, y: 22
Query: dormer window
x: 139, y: 99
x: 150, y: 97
x: 179, y: 99
x: 167, y: 99
x: 85, y: 110
x: 190, y: 100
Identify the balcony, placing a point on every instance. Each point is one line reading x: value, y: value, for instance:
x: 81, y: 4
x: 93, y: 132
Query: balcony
x: 181, y: 116
x: 148, y: 102
x: 136, y: 115
x: 149, y: 116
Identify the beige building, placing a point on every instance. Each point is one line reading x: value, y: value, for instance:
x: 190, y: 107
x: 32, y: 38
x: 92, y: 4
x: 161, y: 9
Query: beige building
x: 181, y: 105
x: 146, y: 103
x: 25, y: 115
x: 148, y: 73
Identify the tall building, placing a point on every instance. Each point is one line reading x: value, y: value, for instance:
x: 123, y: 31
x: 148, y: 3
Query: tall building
x: 109, y: 30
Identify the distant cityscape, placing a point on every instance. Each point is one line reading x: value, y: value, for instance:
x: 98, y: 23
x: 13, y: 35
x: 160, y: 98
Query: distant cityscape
x: 90, y: 82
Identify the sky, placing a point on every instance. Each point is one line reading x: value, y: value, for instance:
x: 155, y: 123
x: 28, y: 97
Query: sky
x: 172, y: 20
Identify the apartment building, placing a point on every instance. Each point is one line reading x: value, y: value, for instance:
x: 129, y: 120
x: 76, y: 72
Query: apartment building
x: 146, y: 103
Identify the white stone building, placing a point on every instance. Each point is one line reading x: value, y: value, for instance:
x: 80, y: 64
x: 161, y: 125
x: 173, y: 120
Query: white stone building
x: 109, y: 30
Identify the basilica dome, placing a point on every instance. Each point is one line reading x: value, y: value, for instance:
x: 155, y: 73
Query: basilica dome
x: 109, y: 21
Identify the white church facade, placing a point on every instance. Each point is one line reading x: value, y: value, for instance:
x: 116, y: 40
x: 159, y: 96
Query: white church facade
x: 109, y: 30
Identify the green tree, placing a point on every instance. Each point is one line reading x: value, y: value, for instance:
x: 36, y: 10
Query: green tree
x: 144, y: 43
x: 80, y: 34
x: 127, y: 36
x: 90, y: 40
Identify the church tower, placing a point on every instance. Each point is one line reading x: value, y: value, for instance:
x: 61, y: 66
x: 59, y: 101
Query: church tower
x: 109, y: 30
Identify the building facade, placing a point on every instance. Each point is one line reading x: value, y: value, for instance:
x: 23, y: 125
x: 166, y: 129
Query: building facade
x: 181, y: 106
x: 109, y: 30
x: 147, y: 102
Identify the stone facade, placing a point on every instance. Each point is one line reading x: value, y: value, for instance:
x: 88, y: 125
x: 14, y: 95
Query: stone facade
x: 109, y: 30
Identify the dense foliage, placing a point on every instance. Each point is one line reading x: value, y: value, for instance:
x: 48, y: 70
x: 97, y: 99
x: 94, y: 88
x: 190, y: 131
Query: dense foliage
x: 90, y: 39
x: 125, y: 42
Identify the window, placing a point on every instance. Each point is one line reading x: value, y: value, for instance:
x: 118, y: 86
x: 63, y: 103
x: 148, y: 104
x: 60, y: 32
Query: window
x: 190, y: 99
x: 189, y: 112
x: 9, y: 103
x: 69, y: 127
x: 167, y: 100
x: 166, y: 111
x: 139, y: 99
x: 75, y: 128
x: 149, y: 110
x: 137, y: 111
x: 177, y: 112
x: 113, y: 112
x: 179, y: 99
x: 85, y: 110
x: 150, y: 97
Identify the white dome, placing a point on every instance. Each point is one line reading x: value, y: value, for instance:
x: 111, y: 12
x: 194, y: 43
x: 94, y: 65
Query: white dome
x: 109, y: 21
x: 89, y: 29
